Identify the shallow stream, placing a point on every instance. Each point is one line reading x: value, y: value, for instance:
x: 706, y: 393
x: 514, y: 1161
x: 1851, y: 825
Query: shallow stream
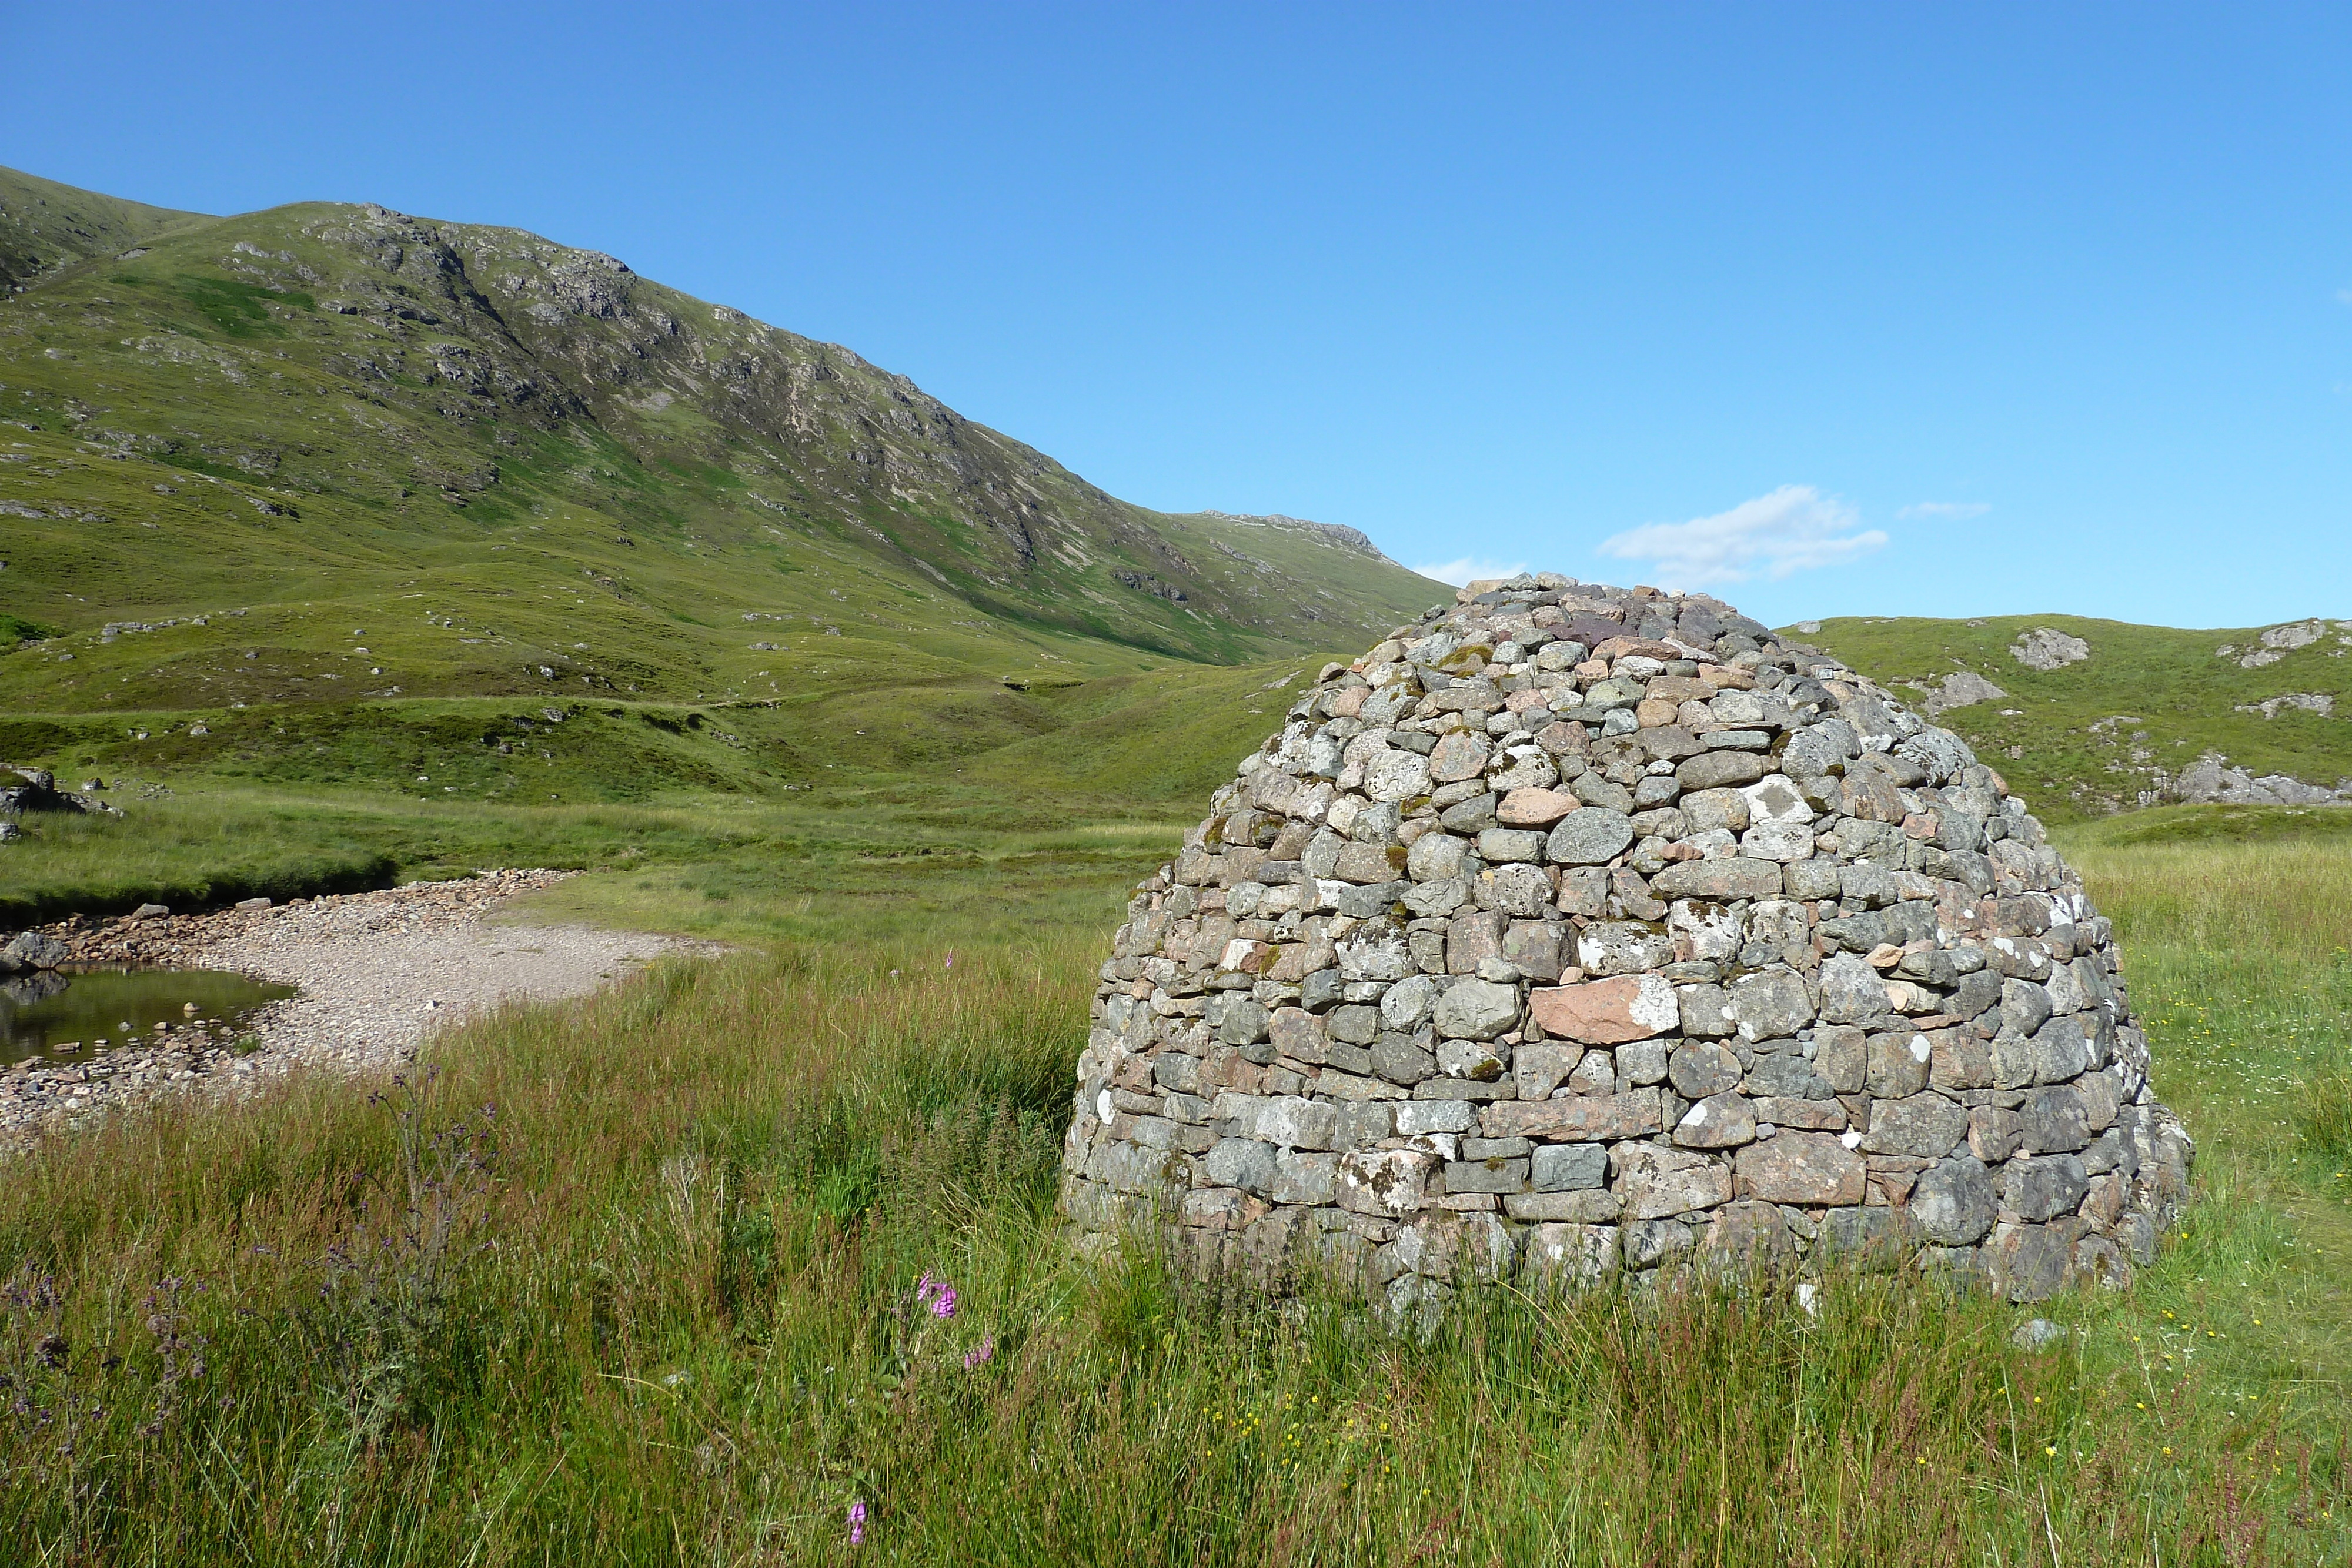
x: 73, y: 1015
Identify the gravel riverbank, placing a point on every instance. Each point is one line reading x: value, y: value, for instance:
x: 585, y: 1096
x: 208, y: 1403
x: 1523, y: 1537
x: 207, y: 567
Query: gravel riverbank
x: 379, y: 972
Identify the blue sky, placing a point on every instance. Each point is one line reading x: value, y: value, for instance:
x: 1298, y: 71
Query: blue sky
x: 1831, y: 309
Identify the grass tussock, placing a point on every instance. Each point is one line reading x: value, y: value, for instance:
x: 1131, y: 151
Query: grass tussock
x: 753, y: 1261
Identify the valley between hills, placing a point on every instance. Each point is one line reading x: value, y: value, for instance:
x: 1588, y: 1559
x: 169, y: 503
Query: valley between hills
x: 331, y: 497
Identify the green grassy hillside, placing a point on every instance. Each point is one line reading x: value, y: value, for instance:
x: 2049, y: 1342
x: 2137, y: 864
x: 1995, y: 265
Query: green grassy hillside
x: 323, y: 491
x: 45, y: 225
x: 2119, y: 728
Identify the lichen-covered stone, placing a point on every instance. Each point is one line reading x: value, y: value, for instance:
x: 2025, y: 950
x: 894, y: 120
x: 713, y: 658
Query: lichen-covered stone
x: 1587, y: 930
x: 1813, y: 1170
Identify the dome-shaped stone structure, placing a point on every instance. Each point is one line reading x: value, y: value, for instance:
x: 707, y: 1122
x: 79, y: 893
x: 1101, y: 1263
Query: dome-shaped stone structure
x: 1579, y: 929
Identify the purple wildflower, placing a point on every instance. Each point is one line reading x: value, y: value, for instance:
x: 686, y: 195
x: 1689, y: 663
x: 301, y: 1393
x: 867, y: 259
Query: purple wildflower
x: 858, y: 1522
x: 936, y: 1295
x: 984, y: 1353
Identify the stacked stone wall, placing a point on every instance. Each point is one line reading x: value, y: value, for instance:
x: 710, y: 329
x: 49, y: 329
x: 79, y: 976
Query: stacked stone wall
x: 1576, y: 930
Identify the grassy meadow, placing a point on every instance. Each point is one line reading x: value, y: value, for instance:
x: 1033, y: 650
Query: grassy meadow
x: 1075, y: 779
x: 637, y: 1279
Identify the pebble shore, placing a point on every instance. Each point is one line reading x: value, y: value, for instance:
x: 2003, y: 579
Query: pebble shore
x: 379, y: 972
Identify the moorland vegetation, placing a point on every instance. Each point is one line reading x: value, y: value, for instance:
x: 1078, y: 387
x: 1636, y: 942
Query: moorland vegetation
x: 640, y: 1277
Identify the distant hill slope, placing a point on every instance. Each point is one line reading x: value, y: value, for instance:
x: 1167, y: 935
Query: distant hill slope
x: 336, y: 454
x: 45, y: 225
x: 2093, y: 716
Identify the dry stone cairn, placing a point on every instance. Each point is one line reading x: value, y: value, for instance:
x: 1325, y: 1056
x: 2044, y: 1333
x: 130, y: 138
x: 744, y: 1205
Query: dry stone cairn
x: 1579, y: 931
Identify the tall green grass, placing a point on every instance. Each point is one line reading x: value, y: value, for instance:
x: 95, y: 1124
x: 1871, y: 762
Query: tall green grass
x: 637, y: 1280
x: 2241, y: 955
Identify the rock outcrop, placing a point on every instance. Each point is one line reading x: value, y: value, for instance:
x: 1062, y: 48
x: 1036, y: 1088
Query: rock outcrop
x: 33, y: 951
x: 1961, y: 688
x: 1579, y: 930
x: 2321, y: 703
x: 2211, y: 781
x: 2046, y: 648
x: 24, y: 789
x: 2278, y: 641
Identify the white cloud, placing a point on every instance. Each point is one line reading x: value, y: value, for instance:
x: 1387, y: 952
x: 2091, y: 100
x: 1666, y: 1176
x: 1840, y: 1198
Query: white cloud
x: 2345, y: 294
x: 1791, y: 530
x: 1948, y: 510
x: 1470, y: 568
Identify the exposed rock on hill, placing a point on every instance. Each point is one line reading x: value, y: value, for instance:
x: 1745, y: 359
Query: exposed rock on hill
x: 24, y: 789
x: 1335, y: 533
x: 1575, y: 930
x: 2276, y: 642
x: 2134, y: 724
x: 2210, y: 781
x: 1962, y: 689
x: 2320, y: 703
x: 2046, y: 649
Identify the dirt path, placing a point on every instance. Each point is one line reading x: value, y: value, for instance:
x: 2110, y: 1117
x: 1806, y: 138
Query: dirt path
x: 378, y: 971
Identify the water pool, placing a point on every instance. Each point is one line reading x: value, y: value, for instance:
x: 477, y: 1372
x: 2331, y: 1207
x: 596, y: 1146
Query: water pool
x: 74, y: 1014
